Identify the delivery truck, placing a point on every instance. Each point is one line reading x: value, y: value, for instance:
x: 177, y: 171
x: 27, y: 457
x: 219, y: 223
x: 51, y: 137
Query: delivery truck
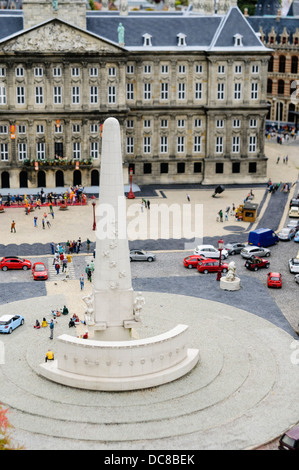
x: 262, y: 237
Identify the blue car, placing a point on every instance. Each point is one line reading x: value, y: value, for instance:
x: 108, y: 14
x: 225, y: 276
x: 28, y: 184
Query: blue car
x: 8, y: 323
x: 296, y: 237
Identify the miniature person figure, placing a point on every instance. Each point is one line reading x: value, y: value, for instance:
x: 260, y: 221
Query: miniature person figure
x: 121, y: 34
x: 55, y: 5
x: 138, y: 305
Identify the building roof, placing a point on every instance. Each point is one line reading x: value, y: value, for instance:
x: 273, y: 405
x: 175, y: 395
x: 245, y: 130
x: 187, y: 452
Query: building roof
x: 266, y: 7
x: 289, y: 23
x: 294, y: 9
x: 11, y: 21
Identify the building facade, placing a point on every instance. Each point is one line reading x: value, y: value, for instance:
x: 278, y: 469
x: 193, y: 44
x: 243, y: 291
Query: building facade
x: 190, y: 92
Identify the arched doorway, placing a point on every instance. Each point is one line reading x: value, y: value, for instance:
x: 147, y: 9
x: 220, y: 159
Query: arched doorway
x: 59, y: 178
x: 5, y: 179
x: 77, y: 178
x: 41, y: 179
x: 95, y: 178
x: 23, y: 179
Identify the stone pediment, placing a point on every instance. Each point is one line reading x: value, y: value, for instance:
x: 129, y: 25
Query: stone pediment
x: 56, y: 36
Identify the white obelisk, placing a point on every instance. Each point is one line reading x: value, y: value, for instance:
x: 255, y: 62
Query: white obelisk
x: 112, y: 289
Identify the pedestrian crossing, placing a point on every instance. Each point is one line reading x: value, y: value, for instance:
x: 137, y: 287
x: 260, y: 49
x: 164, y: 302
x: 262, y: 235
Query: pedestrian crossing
x: 68, y: 273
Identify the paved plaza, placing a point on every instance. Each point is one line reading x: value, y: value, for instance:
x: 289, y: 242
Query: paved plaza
x: 235, y: 398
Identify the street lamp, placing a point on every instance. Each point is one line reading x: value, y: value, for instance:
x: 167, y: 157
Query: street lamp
x: 131, y: 195
x: 94, y: 214
x: 220, y: 248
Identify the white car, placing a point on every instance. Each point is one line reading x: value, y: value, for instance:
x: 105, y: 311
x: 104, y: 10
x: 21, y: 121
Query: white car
x: 294, y: 265
x: 294, y: 211
x: 209, y: 251
x: 252, y: 250
x: 286, y: 233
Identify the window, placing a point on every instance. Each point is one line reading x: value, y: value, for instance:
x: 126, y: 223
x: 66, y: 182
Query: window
x: 164, y: 168
x: 76, y: 128
x: 3, y: 129
x: 57, y: 95
x: 219, y: 168
x: 58, y: 129
x: 39, y: 95
x: 197, y: 167
x: 57, y: 72
x: 4, y: 152
x: 294, y: 64
x: 282, y: 64
x: 164, y: 91
x: 182, y: 69
x: 236, y: 167
x: 94, y: 128
x: 164, y: 123
x: 22, y: 151
x: 130, y: 91
x: 76, y: 150
x: 130, y: 145
x: 220, y: 123
x: 147, y: 69
x: 130, y: 69
x: 236, y: 123
x: 75, y: 95
x: 94, y: 149
x: 111, y: 94
x: 197, y: 122
x: 130, y: 124
x: 40, y: 129
x: 252, y: 144
x: 181, y: 91
x: 181, y: 144
x: 163, y: 144
x: 181, y: 39
x: 238, y: 40
x: 219, y: 144
x: 75, y: 72
x: 164, y: 69
x: 280, y: 87
x: 147, y: 123
x: 197, y: 144
x: 181, y: 167
x: 198, y: 68
x: 3, y: 95
x: 220, y: 91
x: 238, y: 69
x: 2, y: 72
x: 221, y: 69
x: 198, y: 90
x: 147, y: 40
x: 147, y: 91
x: 237, y: 91
x: 38, y: 71
x: 269, y: 86
x: 21, y: 129
x: 255, y: 69
x: 112, y: 72
x: 146, y: 144
x: 93, y: 72
x: 253, y: 123
x: 20, y: 95
x: 147, y: 168
x: 270, y: 64
x: 252, y: 167
x: 93, y: 95
x: 236, y: 144
x: 181, y: 123
x: 40, y: 151
x: 19, y: 72
x: 254, y: 91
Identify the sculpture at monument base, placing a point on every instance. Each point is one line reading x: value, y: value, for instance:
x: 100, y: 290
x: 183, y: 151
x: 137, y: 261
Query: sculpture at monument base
x: 230, y: 281
x: 111, y: 358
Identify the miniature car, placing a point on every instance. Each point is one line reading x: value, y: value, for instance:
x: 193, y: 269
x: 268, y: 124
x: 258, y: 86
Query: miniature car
x: 290, y: 439
x: 39, y: 271
x: 294, y: 265
x: 250, y: 251
x: 140, y: 255
x: 296, y: 237
x: 234, y: 248
x: 293, y: 224
x: 191, y: 261
x: 256, y: 263
x: 8, y: 323
x: 294, y: 211
x: 297, y: 278
x: 209, y: 251
x: 13, y: 262
x: 274, y: 280
x: 286, y: 233
x: 210, y: 266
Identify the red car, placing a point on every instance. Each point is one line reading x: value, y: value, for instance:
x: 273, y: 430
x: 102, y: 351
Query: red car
x: 274, y: 280
x: 40, y: 272
x: 191, y: 261
x: 256, y: 263
x: 210, y: 266
x: 13, y: 262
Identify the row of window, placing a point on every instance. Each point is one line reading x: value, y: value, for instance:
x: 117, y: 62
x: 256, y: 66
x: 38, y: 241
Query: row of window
x: 197, y: 167
x: 130, y: 70
x: 130, y: 93
x: 130, y: 147
x: 147, y: 124
x: 282, y: 64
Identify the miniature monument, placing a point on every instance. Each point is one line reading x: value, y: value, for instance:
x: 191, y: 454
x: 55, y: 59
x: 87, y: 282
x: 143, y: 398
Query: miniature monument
x: 230, y: 281
x: 113, y: 359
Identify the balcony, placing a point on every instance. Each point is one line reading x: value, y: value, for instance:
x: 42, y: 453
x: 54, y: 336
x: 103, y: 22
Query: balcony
x: 62, y: 163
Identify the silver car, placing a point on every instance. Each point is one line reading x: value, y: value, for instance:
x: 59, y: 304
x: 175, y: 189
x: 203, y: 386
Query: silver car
x: 140, y: 255
x: 286, y: 233
x: 234, y: 248
x: 294, y: 265
x: 293, y: 224
x: 252, y: 250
